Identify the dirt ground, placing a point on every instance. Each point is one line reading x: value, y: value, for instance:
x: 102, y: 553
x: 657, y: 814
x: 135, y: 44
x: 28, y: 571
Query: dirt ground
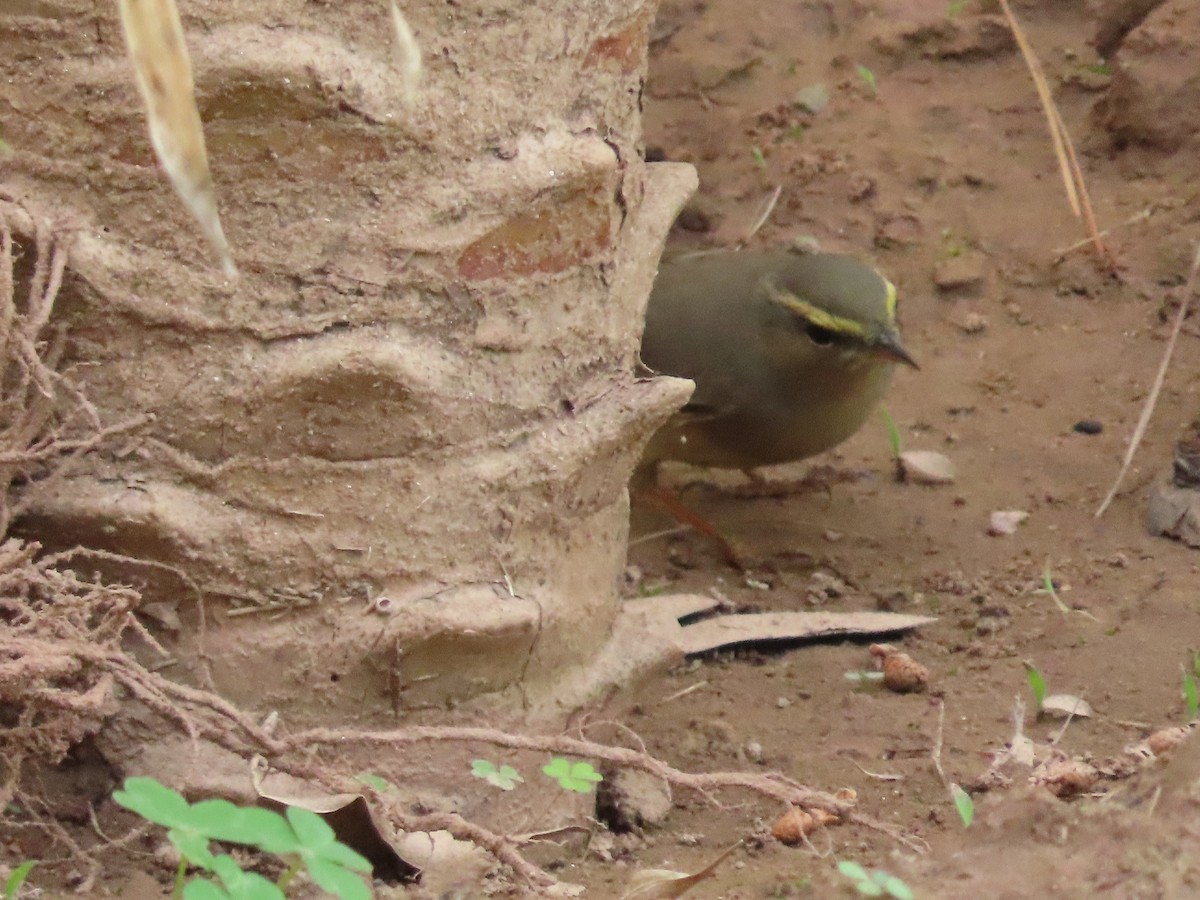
x: 931, y: 157
x: 941, y: 168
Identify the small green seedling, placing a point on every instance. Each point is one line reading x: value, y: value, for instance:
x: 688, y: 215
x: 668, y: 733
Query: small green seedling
x: 964, y: 804
x: 759, y: 159
x: 1190, y: 696
x: 16, y: 878
x: 868, y: 78
x: 893, y: 433
x: 875, y: 884
x: 1037, y: 684
x: 303, y: 838
x: 374, y: 782
x: 955, y: 7
x: 505, y: 777
x: 1049, y: 587
x: 579, y: 777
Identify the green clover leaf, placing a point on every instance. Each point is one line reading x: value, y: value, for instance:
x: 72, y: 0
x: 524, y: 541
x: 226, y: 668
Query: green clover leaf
x: 579, y: 777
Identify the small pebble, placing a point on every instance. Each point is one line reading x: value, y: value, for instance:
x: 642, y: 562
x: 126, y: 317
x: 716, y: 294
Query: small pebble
x: 783, y: 703
x: 1088, y: 426
x: 812, y: 98
x: 1005, y: 521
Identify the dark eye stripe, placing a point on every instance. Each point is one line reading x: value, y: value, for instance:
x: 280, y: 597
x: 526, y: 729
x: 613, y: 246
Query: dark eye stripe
x: 820, y: 335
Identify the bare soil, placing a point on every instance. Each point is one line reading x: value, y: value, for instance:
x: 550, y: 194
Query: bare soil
x: 944, y: 163
x: 932, y: 158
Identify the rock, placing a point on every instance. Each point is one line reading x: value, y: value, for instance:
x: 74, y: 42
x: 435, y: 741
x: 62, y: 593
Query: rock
x: 926, y: 467
x: 960, y: 273
x: 1154, y: 91
x: 794, y: 825
x: 1174, y: 512
x: 1004, y: 522
x: 925, y: 31
x: 811, y: 98
x: 972, y: 323
x: 898, y: 230
x: 901, y: 673
x: 627, y: 800
x: 696, y: 217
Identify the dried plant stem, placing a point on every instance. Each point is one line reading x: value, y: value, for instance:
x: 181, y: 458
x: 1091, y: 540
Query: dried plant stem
x: 1064, y: 149
x: 1148, y: 408
x: 772, y: 785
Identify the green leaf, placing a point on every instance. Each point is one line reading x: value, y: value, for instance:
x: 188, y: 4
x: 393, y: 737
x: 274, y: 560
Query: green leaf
x: 192, y: 846
x: 579, y: 777
x: 318, y: 840
x: 1191, y: 696
x: 759, y: 159
x: 1037, y: 684
x: 244, y: 885
x: 868, y: 78
x: 374, y: 782
x: 1049, y: 588
x: 312, y: 831
x: 892, y: 431
x: 964, y: 804
x: 249, y: 825
x: 338, y: 880
x: 339, y: 854
x: 851, y: 869
x: 17, y: 878
x: 154, y: 802
x: 897, y: 888
x: 329, y: 863
x: 505, y: 777
x: 203, y: 889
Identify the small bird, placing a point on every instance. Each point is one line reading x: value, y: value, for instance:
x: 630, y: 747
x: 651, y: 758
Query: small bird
x: 790, y: 354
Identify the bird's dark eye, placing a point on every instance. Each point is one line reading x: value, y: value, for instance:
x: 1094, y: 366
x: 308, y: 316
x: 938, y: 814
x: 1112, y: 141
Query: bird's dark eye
x: 820, y: 336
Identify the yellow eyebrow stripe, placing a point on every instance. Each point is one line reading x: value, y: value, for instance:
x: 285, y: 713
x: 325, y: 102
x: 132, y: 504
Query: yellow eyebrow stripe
x: 891, y: 300
x: 814, y: 314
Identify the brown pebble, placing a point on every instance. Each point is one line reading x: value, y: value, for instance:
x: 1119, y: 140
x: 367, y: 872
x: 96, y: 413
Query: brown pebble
x: 795, y: 824
x: 901, y: 673
x: 1165, y: 740
x: 1067, y: 777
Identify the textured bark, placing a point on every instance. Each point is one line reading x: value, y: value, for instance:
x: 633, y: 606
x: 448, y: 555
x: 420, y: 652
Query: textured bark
x: 397, y: 447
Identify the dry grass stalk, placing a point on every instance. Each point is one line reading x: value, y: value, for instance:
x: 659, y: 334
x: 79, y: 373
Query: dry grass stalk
x: 1064, y: 149
x: 1148, y: 408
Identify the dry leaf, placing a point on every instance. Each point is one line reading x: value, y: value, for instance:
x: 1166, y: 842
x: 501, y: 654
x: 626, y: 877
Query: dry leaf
x: 1064, y: 705
x: 723, y: 631
x: 664, y: 884
x: 350, y: 818
x: 154, y: 36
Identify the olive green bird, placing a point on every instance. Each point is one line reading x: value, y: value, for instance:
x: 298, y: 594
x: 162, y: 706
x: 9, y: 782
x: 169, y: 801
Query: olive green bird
x: 790, y: 354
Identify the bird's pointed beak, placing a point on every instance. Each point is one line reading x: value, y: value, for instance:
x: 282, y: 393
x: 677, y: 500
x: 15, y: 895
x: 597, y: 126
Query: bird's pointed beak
x: 889, y: 347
